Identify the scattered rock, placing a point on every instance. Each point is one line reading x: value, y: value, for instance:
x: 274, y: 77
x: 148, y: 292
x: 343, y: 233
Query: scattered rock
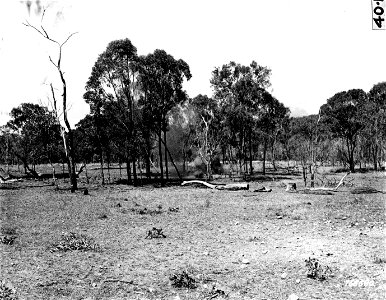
x: 284, y: 275
x: 245, y: 261
x: 279, y: 217
x: 298, y: 281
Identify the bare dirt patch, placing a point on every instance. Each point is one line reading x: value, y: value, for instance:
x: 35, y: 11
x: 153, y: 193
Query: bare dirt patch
x: 224, y: 244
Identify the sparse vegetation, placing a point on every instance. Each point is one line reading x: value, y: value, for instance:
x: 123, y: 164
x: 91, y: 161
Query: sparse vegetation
x: 7, y: 292
x: 239, y: 244
x: 155, y: 233
x: 8, y: 235
x: 183, y: 280
x: 316, y: 270
x: 379, y: 259
x: 70, y: 241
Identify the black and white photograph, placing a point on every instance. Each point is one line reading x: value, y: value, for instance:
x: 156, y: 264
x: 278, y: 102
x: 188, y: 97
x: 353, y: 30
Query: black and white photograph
x: 192, y: 150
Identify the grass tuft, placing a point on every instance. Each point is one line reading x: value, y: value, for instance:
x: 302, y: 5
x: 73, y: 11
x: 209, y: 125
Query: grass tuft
x: 183, y: 280
x: 8, y: 235
x: 70, y: 241
x: 316, y: 270
x: 7, y: 292
x: 379, y: 260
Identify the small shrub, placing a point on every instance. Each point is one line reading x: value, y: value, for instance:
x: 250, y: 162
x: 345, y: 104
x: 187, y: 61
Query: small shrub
x: 155, y: 233
x: 183, y: 280
x: 7, y: 292
x: 8, y: 230
x: 253, y: 239
x: 8, y: 239
x: 316, y: 270
x: 8, y: 235
x: 146, y: 211
x: 73, y: 241
x: 174, y: 209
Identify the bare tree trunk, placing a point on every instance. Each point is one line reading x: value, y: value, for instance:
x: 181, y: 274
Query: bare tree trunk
x: 264, y: 154
x: 147, y: 158
x: 305, y: 175
x: 108, y: 170
x: 160, y: 158
x: 375, y: 156
x: 135, y: 173
x: 70, y: 136
x: 85, y: 169
x: 166, y: 157
x: 102, y: 163
x: 250, y: 152
x: 128, y: 170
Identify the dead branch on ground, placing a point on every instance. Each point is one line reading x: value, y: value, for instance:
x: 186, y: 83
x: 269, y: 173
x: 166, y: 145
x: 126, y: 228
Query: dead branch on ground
x: 228, y: 187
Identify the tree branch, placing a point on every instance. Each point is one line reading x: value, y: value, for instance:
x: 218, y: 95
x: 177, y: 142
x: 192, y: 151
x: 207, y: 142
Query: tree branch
x: 68, y: 38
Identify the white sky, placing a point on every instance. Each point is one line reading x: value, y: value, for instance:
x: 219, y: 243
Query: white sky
x: 314, y: 48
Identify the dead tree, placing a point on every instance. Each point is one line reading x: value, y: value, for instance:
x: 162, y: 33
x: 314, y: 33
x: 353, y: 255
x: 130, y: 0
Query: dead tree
x: 68, y: 136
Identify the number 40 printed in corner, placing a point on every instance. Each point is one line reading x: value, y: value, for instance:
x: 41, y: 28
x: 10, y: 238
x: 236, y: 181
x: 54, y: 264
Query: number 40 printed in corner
x: 379, y: 8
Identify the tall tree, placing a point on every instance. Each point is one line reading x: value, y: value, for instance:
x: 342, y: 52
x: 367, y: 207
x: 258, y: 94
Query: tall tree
x: 342, y: 115
x: 273, y: 115
x: 39, y: 135
x: 113, y: 79
x: 374, y: 113
x: 238, y: 90
x: 161, y: 77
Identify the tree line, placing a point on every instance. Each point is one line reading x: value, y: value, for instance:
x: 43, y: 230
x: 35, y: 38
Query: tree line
x: 141, y: 117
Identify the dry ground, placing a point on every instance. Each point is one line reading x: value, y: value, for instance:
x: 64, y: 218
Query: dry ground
x: 235, y: 245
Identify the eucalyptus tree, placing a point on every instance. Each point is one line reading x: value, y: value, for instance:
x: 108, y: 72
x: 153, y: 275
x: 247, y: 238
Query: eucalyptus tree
x: 272, y: 116
x: 374, y: 113
x: 343, y: 116
x: 113, y: 81
x: 161, y: 77
x: 39, y: 135
x: 238, y: 90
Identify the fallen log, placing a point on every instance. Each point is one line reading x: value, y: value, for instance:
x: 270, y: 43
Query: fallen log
x: 263, y: 190
x: 315, y: 192
x: 228, y: 187
x: 365, y: 190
